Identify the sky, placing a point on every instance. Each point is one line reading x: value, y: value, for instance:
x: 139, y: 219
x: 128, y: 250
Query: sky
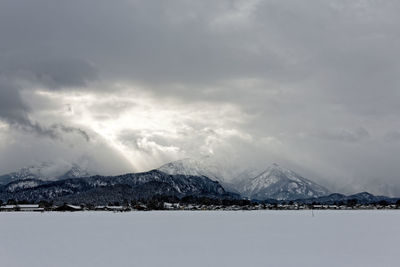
x: 130, y: 85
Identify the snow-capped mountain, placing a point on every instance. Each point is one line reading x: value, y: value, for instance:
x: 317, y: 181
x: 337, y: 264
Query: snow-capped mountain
x: 196, y: 167
x: 105, y: 189
x: 75, y: 172
x: 204, y: 166
x: 275, y: 182
x: 247, y: 174
x: 279, y: 183
x: 46, y: 171
x: 31, y: 172
x: 27, y: 173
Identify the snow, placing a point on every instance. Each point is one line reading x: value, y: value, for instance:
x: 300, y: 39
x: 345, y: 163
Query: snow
x: 220, y: 170
x: 22, y: 185
x: 265, y: 184
x: 47, y: 171
x: 28, y: 205
x: 278, y: 179
x: 74, y: 206
x: 195, y: 167
x: 206, y: 238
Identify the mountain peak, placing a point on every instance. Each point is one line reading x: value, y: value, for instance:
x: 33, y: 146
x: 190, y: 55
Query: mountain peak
x: 197, y: 167
x: 280, y: 183
x: 46, y: 171
x: 75, y: 172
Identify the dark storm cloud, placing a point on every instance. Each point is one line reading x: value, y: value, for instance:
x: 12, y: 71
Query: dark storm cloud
x: 26, y: 68
x: 345, y: 47
x: 69, y: 129
x: 16, y: 76
x: 12, y: 108
x: 53, y: 73
x: 152, y: 42
x: 318, y: 81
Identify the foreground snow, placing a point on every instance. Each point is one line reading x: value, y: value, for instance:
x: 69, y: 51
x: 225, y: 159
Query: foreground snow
x: 260, y: 238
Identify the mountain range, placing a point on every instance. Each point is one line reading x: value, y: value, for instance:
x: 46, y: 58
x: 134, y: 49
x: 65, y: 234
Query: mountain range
x: 279, y: 183
x: 46, y: 171
x: 187, y: 177
x: 105, y: 189
x: 275, y: 182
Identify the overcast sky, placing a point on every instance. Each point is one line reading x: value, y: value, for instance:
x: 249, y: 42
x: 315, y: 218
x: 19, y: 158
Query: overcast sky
x: 130, y: 85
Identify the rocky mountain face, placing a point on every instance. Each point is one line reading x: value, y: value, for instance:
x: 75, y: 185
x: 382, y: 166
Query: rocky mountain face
x: 275, y: 182
x: 176, y: 179
x: 196, y: 167
x: 204, y: 166
x: 187, y: 177
x: 25, y: 173
x: 279, y: 183
x: 46, y: 172
x: 105, y: 189
x: 21, y: 185
x: 75, y: 172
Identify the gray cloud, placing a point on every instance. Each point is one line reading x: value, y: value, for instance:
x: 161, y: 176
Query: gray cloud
x: 28, y: 149
x: 392, y: 136
x: 53, y: 73
x: 345, y: 135
x: 12, y: 106
x: 314, y: 84
x: 17, y: 74
x: 69, y: 129
x: 15, y: 111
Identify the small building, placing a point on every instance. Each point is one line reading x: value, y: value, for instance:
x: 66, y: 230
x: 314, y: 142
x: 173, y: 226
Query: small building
x: 171, y: 206
x: 29, y: 207
x: 115, y: 208
x: 21, y: 207
x: 68, y: 207
x: 8, y: 208
x: 140, y: 207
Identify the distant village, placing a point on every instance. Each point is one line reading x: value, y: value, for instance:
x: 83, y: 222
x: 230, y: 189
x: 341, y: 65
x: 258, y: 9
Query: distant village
x: 117, y: 207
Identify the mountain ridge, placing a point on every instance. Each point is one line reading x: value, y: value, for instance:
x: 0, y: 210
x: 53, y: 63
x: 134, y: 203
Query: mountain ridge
x: 177, y: 178
x: 45, y: 171
x: 274, y: 182
x: 134, y: 185
x: 280, y: 183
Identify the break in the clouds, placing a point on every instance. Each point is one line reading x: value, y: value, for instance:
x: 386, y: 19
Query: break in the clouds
x: 134, y: 84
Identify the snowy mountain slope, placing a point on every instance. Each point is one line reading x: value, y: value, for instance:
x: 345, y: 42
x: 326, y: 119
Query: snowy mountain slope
x: 204, y: 166
x: 127, y: 186
x: 21, y: 185
x: 248, y: 173
x: 279, y: 183
x: 196, y: 167
x: 274, y: 182
x: 47, y: 172
x: 181, y: 183
x: 75, y: 172
x: 31, y: 172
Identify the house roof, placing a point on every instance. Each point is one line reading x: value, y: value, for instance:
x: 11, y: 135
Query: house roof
x: 28, y: 206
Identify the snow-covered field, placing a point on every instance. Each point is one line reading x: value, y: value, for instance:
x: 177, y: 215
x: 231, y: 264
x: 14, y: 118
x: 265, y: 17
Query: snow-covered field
x: 209, y: 238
